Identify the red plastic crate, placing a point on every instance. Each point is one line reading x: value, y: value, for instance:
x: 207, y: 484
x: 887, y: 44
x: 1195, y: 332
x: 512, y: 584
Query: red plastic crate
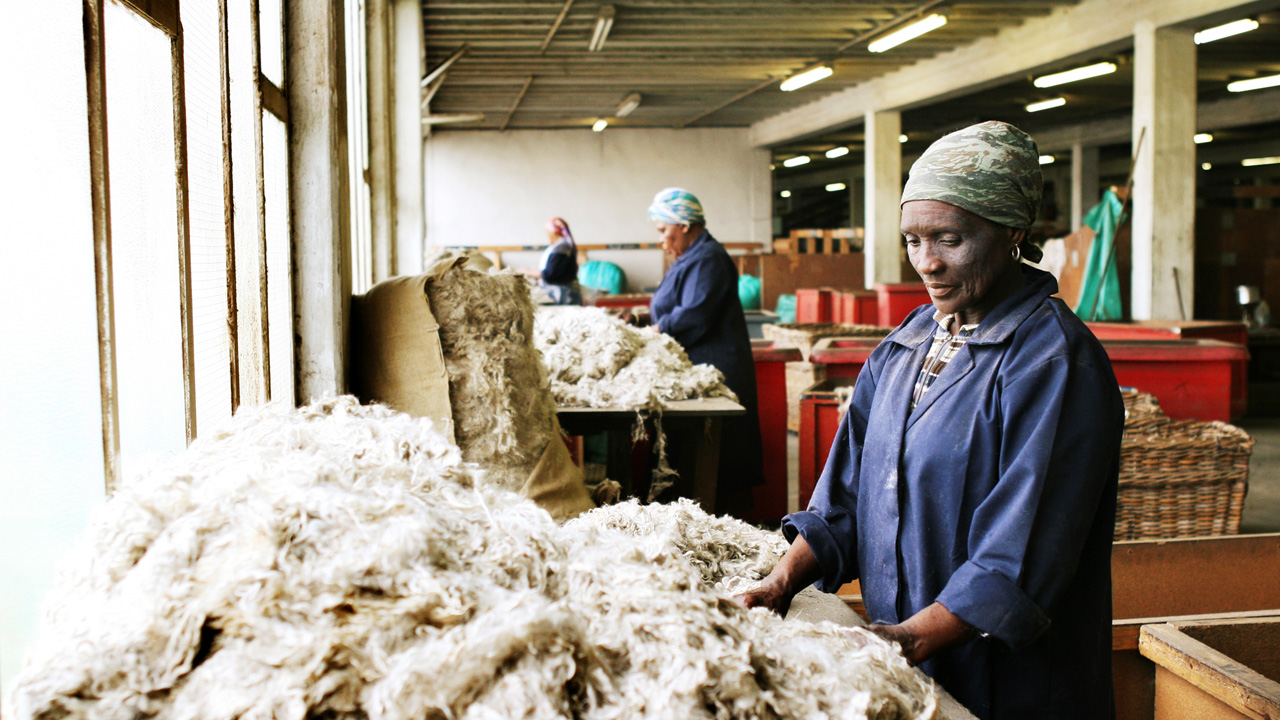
x: 857, y: 307
x: 1225, y: 331
x: 1190, y: 378
x: 844, y: 357
x: 898, y: 300
x: 815, y: 305
x: 770, y: 500
x: 819, y: 421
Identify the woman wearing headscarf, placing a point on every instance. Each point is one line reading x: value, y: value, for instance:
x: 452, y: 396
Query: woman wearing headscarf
x: 558, y: 267
x: 971, y: 487
x: 697, y: 304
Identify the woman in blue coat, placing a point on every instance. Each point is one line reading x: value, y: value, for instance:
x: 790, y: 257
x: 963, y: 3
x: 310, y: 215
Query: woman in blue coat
x: 971, y: 488
x: 697, y: 304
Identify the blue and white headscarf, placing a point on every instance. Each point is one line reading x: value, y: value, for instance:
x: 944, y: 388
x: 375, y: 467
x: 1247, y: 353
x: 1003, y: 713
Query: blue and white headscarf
x: 676, y: 206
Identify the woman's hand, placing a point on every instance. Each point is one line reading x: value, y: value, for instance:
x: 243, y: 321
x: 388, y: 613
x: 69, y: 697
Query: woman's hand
x: 927, y: 633
x: 797, y: 570
x: 768, y: 595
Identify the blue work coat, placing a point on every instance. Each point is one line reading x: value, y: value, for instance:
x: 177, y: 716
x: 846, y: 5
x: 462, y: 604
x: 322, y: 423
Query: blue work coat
x: 697, y: 304
x: 994, y: 497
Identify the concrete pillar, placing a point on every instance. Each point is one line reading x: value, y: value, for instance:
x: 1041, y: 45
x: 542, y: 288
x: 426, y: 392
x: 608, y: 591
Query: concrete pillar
x: 381, y: 139
x: 407, y: 66
x: 1084, y: 182
x: 1164, y: 116
x: 884, y: 193
x: 318, y: 194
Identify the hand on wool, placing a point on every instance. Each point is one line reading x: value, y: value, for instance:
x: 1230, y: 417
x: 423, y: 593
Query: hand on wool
x: 927, y: 633
x: 797, y: 570
x: 768, y: 595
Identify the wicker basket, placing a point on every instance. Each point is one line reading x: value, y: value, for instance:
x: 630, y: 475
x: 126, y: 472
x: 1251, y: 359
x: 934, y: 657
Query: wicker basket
x: 805, y: 335
x: 1137, y: 404
x: 1181, y: 478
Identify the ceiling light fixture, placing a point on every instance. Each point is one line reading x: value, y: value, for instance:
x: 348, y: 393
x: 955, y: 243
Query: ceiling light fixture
x: 1202, y: 138
x: 837, y: 152
x: 600, y: 125
x: 1254, y: 84
x: 1080, y: 73
x: 910, y: 32
x: 808, y: 77
x: 785, y: 194
x: 1046, y: 159
x: 836, y: 187
x: 1046, y: 104
x: 902, y: 139
x: 796, y: 161
x: 604, y: 23
x: 1255, y: 162
x: 1225, y: 31
x: 630, y: 103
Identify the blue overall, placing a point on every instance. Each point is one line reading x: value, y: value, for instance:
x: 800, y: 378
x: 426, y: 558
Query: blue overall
x: 697, y: 304
x: 994, y: 497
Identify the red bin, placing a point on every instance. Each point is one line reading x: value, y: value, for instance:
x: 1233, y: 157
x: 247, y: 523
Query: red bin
x: 819, y: 421
x: 898, y: 300
x: 844, y: 357
x: 770, y: 500
x: 815, y: 305
x: 1190, y: 378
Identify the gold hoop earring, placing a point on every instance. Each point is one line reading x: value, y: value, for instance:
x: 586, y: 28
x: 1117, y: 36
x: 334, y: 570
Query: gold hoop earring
x: 1017, y: 253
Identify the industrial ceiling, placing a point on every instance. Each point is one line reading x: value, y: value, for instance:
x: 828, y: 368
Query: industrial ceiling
x: 694, y: 63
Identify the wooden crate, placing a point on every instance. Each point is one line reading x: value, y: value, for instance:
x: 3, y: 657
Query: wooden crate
x: 1215, y: 669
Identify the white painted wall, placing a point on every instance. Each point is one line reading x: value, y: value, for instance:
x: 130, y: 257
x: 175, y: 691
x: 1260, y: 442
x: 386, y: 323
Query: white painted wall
x: 51, y: 469
x: 490, y: 188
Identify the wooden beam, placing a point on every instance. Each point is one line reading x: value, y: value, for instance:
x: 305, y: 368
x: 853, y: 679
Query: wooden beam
x: 750, y: 91
x: 555, y: 26
x: 443, y: 67
x: 519, y: 96
x: 1068, y: 33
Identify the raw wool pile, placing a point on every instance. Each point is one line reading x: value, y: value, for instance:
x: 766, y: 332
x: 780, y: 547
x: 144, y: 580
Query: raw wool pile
x: 341, y: 561
x: 503, y: 412
x: 596, y: 360
x: 731, y: 555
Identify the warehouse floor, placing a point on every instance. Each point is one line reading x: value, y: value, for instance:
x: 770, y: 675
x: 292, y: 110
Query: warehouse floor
x: 1261, y: 506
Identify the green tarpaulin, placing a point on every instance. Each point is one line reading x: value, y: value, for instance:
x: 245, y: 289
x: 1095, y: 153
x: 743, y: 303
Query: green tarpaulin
x: 1099, y: 292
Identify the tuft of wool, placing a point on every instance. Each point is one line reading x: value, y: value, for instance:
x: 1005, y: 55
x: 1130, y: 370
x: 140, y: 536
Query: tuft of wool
x: 343, y: 561
x: 503, y: 411
x: 596, y: 360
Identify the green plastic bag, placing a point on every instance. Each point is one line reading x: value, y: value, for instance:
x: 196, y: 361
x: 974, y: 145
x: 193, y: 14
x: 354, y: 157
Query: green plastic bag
x: 602, y: 275
x: 749, y: 292
x: 1099, y: 294
x: 786, y: 308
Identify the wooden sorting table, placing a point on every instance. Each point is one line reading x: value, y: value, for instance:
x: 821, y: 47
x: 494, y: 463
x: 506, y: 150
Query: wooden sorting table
x: 1211, y: 580
x: 696, y: 421
x: 1215, y: 669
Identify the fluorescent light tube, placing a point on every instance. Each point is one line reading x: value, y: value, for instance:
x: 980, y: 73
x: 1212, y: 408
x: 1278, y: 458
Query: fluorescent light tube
x: 1225, y: 31
x: 1046, y: 159
x: 1254, y: 84
x: 910, y: 32
x: 796, y: 161
x: 604, y: 23
x: 1080, y: 73
x: 1254, y: 162
x: 1046, y: 104
x: 836, y: 187
x: 1202, y: 138
x: 785, y: 194
x: 630, y: 103
x: 600, y: 125
x: 808, y: 77
x: 837, y: 152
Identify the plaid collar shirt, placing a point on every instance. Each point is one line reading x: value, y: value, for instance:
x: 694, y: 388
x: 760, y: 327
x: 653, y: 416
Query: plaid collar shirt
x: 944, y: 348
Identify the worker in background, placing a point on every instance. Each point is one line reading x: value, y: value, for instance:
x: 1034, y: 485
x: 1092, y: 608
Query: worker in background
x: 697, y: 304
x: 558, y: 268
x: 971, y: 487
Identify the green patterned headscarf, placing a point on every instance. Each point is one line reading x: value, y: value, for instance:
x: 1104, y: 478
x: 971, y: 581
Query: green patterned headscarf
x: 991, y: 169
